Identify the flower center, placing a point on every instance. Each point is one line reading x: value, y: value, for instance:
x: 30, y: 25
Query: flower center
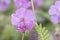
x: 22, y: 25
x: 22, y: 20
x: 23, y: 28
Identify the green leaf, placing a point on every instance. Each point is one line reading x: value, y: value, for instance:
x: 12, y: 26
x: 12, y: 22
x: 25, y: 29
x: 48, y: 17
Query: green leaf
x: 43, y: 34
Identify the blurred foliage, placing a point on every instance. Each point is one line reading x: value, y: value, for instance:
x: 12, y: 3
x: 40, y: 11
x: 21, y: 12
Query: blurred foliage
x: 8, y: 32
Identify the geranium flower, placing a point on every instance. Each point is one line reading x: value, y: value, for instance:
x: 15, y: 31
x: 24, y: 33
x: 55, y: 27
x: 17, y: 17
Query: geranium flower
x: 23, y: 19
x: 54, y: 12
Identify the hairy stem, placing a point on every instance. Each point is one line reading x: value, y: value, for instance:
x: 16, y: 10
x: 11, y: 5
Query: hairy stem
x: 22, y: 36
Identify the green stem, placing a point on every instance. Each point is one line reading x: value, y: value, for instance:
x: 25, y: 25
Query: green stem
x: 22, y: 36
x: 33, y: 10
x: 32, y: 6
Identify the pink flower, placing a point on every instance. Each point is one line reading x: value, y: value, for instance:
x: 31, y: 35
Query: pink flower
x: 23, y: 19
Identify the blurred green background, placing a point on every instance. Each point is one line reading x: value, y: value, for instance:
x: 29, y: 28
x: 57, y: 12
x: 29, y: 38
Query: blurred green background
x: 7, y: 30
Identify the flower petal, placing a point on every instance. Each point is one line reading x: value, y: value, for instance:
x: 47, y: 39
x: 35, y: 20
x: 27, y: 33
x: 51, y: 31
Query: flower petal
x: 30, y: 25
x: 57, y: 4
x: 29, y: 15
x: 52, y: 10
x: 54, y: 19
x: 14, y: 19
x: 20, y: 12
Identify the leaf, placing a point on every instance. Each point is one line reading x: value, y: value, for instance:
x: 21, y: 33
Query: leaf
x: 43, y: 34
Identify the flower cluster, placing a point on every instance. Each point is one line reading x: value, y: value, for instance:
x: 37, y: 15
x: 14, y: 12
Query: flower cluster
x: 23, y: 18
x: 4, y: 4
x: 54, y: 12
